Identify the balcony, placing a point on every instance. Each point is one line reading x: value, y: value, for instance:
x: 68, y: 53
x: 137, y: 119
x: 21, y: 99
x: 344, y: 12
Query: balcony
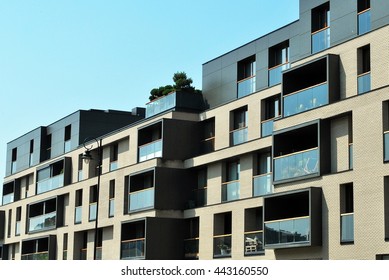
x: 78, y: 215
x: 222, y: 245
x: 347, y: 227
x: 230, y: 191
x: 246, y: 86
x: 296, y: 165
x: 239, y: 136
x: 150, y: 150
x: 191, y: 248
x: 320, y: 40
x: 42, y: 222
x: 253, y: 243
x: 267, y: 127
x: 275, y: 74
x: 36, y: 256
x: 8, y: 198
x: 161, y: 104
x: 306, y: 99
x: 133, y: 249
x: 287, y: 231
x: 92, y: 211
x: 364, y: 83
x: 386, y: 146
x: 364, y: 22
x: 262, y: 185
x: 141, y: 199
x: 51, y: 183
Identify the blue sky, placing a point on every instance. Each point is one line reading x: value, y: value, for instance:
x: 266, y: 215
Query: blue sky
x: 57, y: 57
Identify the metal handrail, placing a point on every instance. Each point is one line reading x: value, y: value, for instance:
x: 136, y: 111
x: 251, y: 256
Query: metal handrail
x: 295, y: 153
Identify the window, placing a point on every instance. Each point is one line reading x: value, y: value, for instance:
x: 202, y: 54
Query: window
x: 18, y: 219
x: 191, y: 238
x: 208, y: 137
x: 51, y: 177
x: 320, y: 20
x: 141, y: 191
x: 133, y: 237
x: 9, y: 223
x: 278, y: 62
x: 111, y: 198
x: 222, y: 234
x: 262, y: 178
x: 239, y: 130
x: 93, y: 197
x: 65, y: 247
x: 48, y: 146
x: 99, y: 244
x: 347, y: 213
x: 31, y: 155
x: 114, y: 152
x: 200, y: 193
x: 231, y: 186
x: 364, y: 79
x: 246, y: 76
x: 67, y: 140
x: 80, y: 167
x: 364, y: 17
x: 78, y: 207
x: 271, y: 109
x: 150, y: 142
x: 253, y: 227
x: 13, y: 160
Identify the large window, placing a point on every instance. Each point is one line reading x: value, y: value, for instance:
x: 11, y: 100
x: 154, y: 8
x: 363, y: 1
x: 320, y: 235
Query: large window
x: 364, y: 17
x: 364, y: 77
x: 231, y: 186
x: 278, y: 61
x: 253, y: 227
x: 347, y: 213
x: 321, y: 28
x: 239, y: 130
x: 222, y: 234
x: 42, y: 215
x: 246, y: 76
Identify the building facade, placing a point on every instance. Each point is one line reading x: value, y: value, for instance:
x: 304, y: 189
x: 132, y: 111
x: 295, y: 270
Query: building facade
x: 283, y: 156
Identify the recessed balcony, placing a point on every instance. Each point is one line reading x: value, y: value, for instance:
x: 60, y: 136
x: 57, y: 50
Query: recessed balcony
x: 139, y: 200
x: 293, y: 219
x: 150, y: 150
x: 133, y: 249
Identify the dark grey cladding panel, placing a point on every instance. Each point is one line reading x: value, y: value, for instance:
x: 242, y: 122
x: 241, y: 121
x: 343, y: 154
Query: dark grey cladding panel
x: 379, y: 13
x: 343, y: 21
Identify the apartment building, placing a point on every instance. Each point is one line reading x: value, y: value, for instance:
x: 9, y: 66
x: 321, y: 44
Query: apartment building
x: 284, y: 156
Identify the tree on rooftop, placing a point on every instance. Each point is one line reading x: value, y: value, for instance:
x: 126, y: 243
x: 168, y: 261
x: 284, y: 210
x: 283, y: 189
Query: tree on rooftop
x: 181, y: 82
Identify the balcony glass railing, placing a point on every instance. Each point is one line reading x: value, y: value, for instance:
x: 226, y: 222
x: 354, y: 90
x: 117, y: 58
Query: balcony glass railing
x: 83, y: 254
x: 253, y: 242
x: 230, y: 191
x: 13, y: 167
x: 42, y: 222
x: 141, y: 199
x: 113, y: 166
x: 320, y: 40
x: 222, y: 245
x: 386, y: 146
x: 99, y: 253
x: 239, y: 136
x: 8, y: 198
x: 92, y: 211
x: 364, y: 22
x: 296, y: 165
x: 67, y: 146
x: 133, y: 249
x: 262, y: 184
x: 275, y: 74
x: 295, y: 230
x: 36, y: 256
x: 347, y: 227
x: 200, y: 197
x: 51, y: 183
x: 306, y: 99
x: 17, y: 228
x: 246, y: 86
x: 111, y: 207
x: 78, y: 215
x: 267, y: 128
x: 191, y: 248
x: 151, y: 150
x: 364, y: 83
x: 80, y: 175
x: 161, y: 104
x: 31, y: 159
